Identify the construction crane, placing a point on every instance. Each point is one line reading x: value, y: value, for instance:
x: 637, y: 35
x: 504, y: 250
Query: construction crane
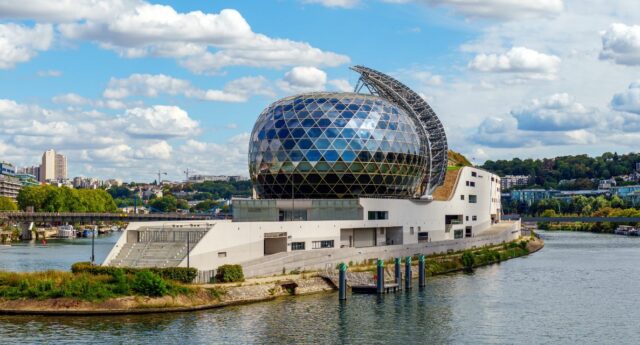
x: 186, y: 172
x: 160, y: 173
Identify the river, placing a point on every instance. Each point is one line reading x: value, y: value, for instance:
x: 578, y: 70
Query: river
x: 580, y: 289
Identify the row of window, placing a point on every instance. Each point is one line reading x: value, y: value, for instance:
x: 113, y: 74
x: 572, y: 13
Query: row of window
x: 472, y: 198
x: 471, y: 184
x: 378, y: 215
x: 314, y: 245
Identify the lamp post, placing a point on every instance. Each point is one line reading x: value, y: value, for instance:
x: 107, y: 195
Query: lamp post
x: 93, y: 244
x: 188, y: 250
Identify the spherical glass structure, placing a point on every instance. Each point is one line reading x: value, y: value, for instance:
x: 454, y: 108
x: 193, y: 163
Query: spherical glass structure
x: 335, y: 145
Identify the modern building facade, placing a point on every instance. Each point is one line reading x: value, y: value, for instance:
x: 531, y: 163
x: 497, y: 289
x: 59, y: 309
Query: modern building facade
x: 336, y: 175
x: 9, y: 184
x: 510, y: 181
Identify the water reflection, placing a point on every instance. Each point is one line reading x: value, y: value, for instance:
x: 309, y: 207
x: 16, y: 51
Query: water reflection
x: 581, y: 288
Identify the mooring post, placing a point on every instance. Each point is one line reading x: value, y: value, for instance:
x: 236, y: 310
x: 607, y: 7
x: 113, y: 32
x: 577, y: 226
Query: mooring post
x: 342, y: 282
x: 398, y: 274
x: 421, y: 272
x: 380, y: 278
x: 407, y: 272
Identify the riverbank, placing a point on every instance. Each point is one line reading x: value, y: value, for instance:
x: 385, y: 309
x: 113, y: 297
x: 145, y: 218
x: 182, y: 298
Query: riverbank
x: 200, y: 297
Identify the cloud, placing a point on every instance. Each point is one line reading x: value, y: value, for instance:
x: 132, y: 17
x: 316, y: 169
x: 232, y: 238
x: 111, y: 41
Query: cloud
x: 49, y: 73
x: 496, y: 9
x: 19, y: 43
x: 73, y: 99
x: 341, y: 85
x: 303, y: 79
x: 558, y: 112
x: 159, y: 122
x: 335, y: 3
x: 152, y: 85
x: 629, y: 100
x: 520, y: 60
x: 621, y: 44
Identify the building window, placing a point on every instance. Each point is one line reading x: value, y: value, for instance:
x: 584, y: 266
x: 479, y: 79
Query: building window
x: 462, y: 197
x: 322, y: 244
x: 474, y: 174
x: 378, y: 215
x: 411, y: 232
x: 457, y: 234
x: 222, y: 254
x: 472, y: 184
x: 297, y: 245
x: 467, y: 183
x: 466, y: 218
x: 473, y: 199
x: 474, y: 218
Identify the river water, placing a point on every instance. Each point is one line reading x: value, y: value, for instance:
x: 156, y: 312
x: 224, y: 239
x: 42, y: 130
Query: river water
x: 580, y: 289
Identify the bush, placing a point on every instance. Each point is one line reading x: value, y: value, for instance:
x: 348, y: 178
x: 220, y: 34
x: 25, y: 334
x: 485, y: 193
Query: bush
x: 468, y: 260
x: 229, y: 274
x: 148, y: 283
x: 180, y: 274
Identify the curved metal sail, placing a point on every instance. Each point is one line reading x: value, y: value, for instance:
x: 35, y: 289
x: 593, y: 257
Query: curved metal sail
x: 432, y: 135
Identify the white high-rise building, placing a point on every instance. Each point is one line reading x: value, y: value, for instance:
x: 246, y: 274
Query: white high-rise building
x: 53, y: 167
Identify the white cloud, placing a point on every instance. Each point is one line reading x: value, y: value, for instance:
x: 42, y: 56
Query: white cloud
x: 159, y: 122
x: 71, y: 99
x: 336, y: 3
x: 629, y: 100
x: 500, y: 9
x: 19, y: 43
x: 49, y: 73
x: 303, y: 79
x: 158, y: 150
x: 523, y: 61
x: 152, y: 85
x: 558, y: 112
x: 621, y: 43
x: 341, y: 85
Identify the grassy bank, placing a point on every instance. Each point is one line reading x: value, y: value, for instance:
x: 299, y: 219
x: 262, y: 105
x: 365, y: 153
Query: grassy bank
x: 86, y: 286
x: 601, y: 228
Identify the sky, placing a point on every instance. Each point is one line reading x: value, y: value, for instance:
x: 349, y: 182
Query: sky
x: 125, y: 88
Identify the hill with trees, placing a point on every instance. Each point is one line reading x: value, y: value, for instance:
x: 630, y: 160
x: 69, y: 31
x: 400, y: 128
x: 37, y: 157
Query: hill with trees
x: 548, y: 172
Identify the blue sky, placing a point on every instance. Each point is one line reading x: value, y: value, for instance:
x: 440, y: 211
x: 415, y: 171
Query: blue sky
x: 127, y: 87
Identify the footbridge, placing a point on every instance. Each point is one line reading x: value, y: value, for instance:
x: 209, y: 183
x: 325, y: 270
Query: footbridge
x: 574, y: 219
x: 87, y: 218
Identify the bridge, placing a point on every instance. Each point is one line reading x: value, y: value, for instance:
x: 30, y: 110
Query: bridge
x: 87, y: 218
x: 574, y: 219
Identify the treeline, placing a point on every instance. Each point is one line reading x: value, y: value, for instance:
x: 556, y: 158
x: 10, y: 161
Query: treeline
x: 64, y: 199
x: 546, y: 173
x: 578, y: 205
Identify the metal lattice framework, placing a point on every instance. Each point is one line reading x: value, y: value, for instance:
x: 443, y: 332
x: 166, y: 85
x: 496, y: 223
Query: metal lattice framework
x: 432, y: 136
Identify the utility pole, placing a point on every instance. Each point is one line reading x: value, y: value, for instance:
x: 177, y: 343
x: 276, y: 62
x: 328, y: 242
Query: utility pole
x: 160, y: 173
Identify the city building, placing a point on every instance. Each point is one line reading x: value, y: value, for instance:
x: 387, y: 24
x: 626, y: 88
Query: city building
x: 624, y: 191
x: 338, y: 177
x: 7, y: 169
x: 510, y: 181
x: 219, y: 178
x: 530, y: 196
x: 607, y: 183
x: 27, y: 179
x: 53, y: 167
x: 9, y: 184
x: 32, y: 170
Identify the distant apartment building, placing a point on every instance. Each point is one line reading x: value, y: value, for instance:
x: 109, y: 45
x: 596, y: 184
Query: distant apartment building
x: 86, y: 183
x: 32, y: 170
x: 510, y: 181
x: 9, y: 184
x: 53, y: 167
x: 221, y: 178
x: 530, y: 196
x: 607, y: 183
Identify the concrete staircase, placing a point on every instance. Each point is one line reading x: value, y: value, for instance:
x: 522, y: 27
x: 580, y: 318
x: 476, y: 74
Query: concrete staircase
x: 150, y: 254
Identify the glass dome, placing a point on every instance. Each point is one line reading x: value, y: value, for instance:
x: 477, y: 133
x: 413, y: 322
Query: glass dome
x: 335, y: 145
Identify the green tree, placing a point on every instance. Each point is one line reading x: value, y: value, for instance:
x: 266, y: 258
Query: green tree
x: 164, y: 204
x: 7, y: 204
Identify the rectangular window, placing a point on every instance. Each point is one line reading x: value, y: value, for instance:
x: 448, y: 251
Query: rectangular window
x: 472, y: 184
x: 322, y: 244
x: 474, y: 174
x: 378, y: 215
x: 222, y: 254
x: 458, y: 234
x: 473, y: 199
x: 474, y: 218
x: 297, y: 245
x: 466, y: 218
x: 411, y: 232
x: 462, y: 197
x: 467, y: 183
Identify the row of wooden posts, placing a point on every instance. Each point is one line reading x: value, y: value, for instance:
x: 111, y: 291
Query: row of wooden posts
x: 380, y: 287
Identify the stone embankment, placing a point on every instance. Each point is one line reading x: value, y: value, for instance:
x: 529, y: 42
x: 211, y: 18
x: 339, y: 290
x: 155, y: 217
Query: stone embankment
x: 209, y: 296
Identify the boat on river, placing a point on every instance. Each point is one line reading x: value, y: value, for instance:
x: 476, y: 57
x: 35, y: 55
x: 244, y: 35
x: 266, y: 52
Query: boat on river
x: 66, y: 231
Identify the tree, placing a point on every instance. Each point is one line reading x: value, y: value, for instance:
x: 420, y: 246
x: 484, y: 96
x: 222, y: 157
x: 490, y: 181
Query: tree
x: 7, y: 204
x: 164, y: 204
x: 63, y: 199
